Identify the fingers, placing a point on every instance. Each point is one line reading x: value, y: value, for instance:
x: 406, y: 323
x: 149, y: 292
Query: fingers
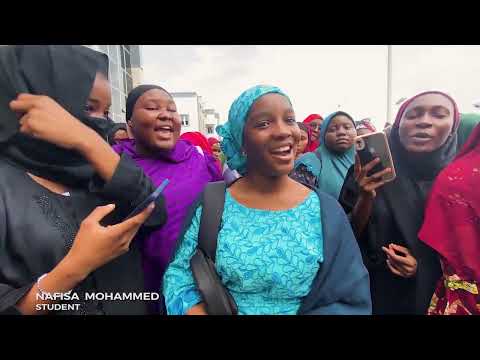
x: 381, y: 174
x: 370, y: 165
x: 399, y: 260
x: 393, y: 269
x: 373, y: 185
x: 133, y: 223
x: 28, y: 97
x: 99, y: 213
x: 400, y: 249
x: 24, y: 102
x: 357, y: 167
x: 20, y: 106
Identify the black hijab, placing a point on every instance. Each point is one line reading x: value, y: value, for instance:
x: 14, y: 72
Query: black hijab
x: 64, y: 73
x: 422, y: 168
x: 135, y: 94
x: 397, y: 216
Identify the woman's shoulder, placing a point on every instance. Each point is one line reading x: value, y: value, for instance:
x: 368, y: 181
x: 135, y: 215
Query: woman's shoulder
x: 332, y: 212
x: 308, y: 157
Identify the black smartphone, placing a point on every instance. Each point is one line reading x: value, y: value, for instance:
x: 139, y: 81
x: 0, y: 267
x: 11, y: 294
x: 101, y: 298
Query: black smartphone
x: 371, y: 146
x: 151, y: 198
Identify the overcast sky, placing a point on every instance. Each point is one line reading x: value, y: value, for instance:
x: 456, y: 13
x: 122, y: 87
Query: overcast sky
x: 318, y: 79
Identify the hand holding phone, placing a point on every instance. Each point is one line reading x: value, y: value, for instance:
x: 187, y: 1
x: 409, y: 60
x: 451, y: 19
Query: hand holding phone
x: 151, y: 198
x: 373, y: 163
x: 372, y: 146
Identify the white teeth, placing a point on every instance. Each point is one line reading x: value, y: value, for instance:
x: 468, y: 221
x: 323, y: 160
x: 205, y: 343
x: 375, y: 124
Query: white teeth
x: 282, y: 149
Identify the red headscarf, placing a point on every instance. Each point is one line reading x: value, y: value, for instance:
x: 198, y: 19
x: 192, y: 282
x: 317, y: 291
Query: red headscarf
x: 198, y: 139
x: 313, y: 145
x: 366, y: 123
x: 212, y: 141
x: 452, y: 216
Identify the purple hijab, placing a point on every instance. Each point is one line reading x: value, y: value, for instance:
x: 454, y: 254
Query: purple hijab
x: 188, y: 172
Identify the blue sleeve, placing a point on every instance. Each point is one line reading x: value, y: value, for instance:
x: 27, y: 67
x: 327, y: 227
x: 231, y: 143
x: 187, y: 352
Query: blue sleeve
x: 179, y: 287
x: 342, y: 285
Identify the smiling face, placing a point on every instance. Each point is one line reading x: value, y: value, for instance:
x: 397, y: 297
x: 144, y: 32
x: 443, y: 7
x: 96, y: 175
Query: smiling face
x: 340, y: 134
x: 271, y: 136
x: 426, y: 123
x: 155, y: 123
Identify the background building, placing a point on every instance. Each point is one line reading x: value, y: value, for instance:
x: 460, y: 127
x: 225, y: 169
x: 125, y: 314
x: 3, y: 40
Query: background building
x: 212, y: 119
x: 194, y: 114
x: 125, y: 72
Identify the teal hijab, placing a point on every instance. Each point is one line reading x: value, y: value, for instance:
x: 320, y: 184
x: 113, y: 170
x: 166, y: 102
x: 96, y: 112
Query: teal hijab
x: 232, y: 131
x: 329, y: 167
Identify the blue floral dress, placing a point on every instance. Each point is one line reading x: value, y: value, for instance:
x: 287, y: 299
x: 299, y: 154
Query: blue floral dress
x: 266, y: 259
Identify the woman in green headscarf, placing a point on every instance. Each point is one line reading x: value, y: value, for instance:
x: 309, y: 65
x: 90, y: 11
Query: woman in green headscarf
x: 326, y: 168
x: 467, y: 124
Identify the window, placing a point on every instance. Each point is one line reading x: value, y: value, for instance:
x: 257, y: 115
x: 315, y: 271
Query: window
x: 185, y: 119
x: 209, y: 129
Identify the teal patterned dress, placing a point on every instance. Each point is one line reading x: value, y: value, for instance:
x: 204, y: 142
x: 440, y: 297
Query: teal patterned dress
x: 266, y: 259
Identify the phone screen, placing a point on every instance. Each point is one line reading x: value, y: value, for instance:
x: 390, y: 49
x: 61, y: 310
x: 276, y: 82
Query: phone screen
x: 151, y: 198
x: 375, y: 145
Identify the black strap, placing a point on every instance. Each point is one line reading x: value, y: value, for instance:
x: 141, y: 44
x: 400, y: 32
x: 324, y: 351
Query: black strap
x: 213, y: 202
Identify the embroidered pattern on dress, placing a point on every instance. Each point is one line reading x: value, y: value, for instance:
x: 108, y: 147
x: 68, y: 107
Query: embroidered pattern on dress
x: 68, y: 233
x: 65, y: 229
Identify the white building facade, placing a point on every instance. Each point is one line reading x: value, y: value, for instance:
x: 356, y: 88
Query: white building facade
x: 194, y: 115
x: 212, y: 119
x: 125, y: 73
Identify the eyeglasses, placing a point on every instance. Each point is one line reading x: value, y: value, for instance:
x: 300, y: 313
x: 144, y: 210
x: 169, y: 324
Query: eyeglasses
x: 315, y: 126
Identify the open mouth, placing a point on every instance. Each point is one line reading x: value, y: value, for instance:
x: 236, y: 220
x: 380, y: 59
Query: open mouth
x: 164, y: 129
x: 421, y: 137
x: 284, y: 152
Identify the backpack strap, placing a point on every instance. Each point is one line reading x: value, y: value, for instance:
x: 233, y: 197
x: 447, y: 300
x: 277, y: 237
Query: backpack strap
x: 213, y: 202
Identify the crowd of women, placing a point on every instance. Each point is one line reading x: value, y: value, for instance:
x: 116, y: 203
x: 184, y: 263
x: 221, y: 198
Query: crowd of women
x: 305, y: 228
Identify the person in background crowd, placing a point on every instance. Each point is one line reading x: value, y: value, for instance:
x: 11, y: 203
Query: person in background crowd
x: 364, y: 126
x: 314, y: 122
x: 387, y: 128
x: 155, y: 125
x: 98, y: 106
x: 199, y: 140
x: 452, y: 228
x: 327, y: 167
x: 305, y: 135
x: 467, y: 124
x: 117, y: 132
x: 201, y: 143
x: 229, y: 175
x: 217, y: 152
x: 282, y: 248
x: 57, y: 232
x: 387, y: 217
